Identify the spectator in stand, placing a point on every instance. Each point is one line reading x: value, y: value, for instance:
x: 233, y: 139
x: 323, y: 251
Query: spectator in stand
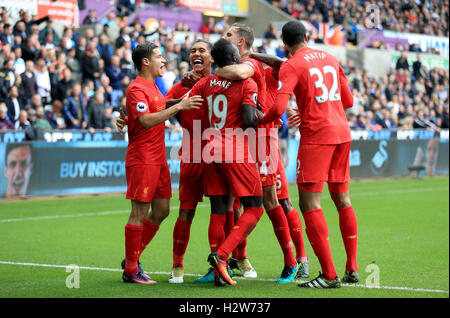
x: 271, y: 33
x: 123, y: 37
x: 110, y: 19
x: 5, y: 122
x: 49, y: 29
x: 105, y: 49
x: 22, y: 123
x: 74, y: 109
x: 116, y: 76
x: 43, y: 84
x: 96, y: 115
x: 126, y: 7
x: 7, y: 36
x: 13, y: 103
x: 91, y: 17
x: 29, y: 80
x: 208, y: 27
x: 31, y: 48
x: 41, y: 121
x: 55, y: 116
x: 402, y: 62
x: 89, y: 63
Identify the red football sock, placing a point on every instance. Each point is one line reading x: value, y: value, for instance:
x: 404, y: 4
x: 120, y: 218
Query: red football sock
x: 241, y: 230
x: 216, y: 232
x: 148, y: 232
x: 229, y: 222
x: 133, y: 234
x: 181, y: 234
x: 240, y: 252
x: 317, y: 232
x: 349, y: 230
x: 296, y: 230
x: 281, y: 230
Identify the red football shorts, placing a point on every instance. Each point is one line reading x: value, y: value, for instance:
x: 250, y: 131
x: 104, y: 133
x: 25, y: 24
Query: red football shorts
x: 317, y: 164
x: 267, y: 165
x: 146, y: 182
x: 191, y: 185
x: 282, y: 183
x: 242, y: 179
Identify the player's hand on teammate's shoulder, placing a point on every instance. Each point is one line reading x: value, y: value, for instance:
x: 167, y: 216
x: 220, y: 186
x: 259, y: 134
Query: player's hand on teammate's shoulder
x: 189, y: 79
x: 193, y: 102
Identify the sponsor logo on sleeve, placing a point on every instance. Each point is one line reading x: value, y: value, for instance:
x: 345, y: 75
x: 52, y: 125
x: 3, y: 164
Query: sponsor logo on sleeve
x: 141, y: 107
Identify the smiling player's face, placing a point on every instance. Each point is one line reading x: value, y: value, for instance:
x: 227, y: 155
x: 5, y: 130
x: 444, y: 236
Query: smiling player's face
x: 200, y: 56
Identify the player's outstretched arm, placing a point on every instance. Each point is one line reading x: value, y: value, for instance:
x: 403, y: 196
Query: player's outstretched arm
x: 271, y: 60
x: 172, y: 102
x: 153, y: 119
x: 235, y: 72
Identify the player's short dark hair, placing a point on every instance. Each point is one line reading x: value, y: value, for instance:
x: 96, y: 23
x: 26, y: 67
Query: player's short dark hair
x: 293, y: 32
x: 141, y: 51
x: 208, y: 44
x: 246, y: 32
x: 224, y: 53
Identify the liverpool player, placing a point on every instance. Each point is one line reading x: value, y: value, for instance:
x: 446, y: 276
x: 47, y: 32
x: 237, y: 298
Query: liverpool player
x: 231, y: 108
x: 242, y: 36
x: 292, y: 215
x: 147, y: 172
x: 322, y: 92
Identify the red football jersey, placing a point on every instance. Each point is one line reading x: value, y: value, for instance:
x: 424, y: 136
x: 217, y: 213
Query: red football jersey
x: 258, y: 77
x: 322, y: 92
x: 145, y: 146
x: 222, y: 111
x: 187, y: 118
x: 271, y: 86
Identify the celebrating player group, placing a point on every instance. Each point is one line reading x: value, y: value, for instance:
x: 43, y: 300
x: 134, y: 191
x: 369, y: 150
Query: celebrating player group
x: 230, y: 154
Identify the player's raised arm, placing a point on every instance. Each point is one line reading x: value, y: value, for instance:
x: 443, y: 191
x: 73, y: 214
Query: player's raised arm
x: 270, y: 60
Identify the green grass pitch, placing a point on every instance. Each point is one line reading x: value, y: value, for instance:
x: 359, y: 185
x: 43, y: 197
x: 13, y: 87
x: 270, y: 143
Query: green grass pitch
x: 403, y: 227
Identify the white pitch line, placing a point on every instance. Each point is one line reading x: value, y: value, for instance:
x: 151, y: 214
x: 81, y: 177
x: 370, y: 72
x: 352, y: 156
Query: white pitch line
x: 239, y: 278
x: 48, y: 217
x: 176, y: 207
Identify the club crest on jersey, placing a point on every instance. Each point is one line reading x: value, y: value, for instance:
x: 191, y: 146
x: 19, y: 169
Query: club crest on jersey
x: 280, y: 84
x: 141, y: 107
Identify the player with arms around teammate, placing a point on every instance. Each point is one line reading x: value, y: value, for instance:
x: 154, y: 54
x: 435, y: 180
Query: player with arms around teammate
x: 231, y: 109
x: 242, y: 36
x: 191, y: 173
x: 322, y: 92
x: 147, y: 172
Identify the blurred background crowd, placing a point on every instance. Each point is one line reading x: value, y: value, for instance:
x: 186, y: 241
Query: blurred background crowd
x: 69, y: 80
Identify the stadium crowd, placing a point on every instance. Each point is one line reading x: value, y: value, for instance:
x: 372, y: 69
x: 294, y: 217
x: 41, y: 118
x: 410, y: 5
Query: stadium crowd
x: 69, y: 80
x: 414, y: 16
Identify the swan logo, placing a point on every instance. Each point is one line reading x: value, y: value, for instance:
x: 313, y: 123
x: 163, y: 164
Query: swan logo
x: 379, y: 161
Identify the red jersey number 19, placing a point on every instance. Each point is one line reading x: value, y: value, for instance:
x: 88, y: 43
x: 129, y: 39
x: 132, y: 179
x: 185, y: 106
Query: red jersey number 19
x: 218, y: 112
